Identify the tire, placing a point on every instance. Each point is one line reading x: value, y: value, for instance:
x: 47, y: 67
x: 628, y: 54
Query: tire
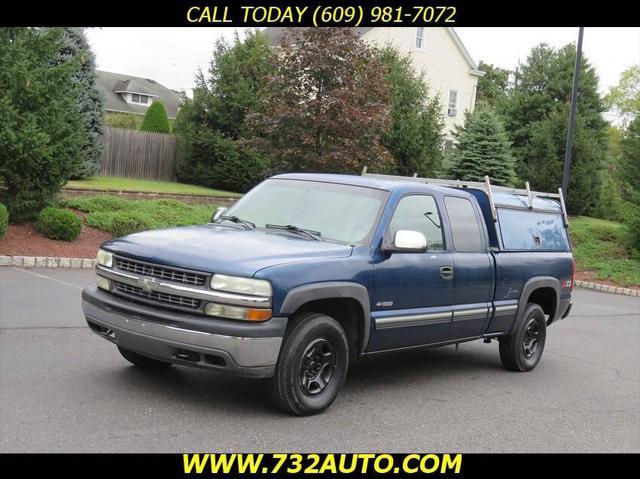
x: 312, y: 366
x: 142, y: 361
x: 522, y: 349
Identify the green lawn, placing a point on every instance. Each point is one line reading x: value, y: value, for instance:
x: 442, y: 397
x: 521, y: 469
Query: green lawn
x: 146, y: 186
x: 598, y: 246
x: 120, y: 216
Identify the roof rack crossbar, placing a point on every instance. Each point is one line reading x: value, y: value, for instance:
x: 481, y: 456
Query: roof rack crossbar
x: 480, y: 185
x: 466, y: 184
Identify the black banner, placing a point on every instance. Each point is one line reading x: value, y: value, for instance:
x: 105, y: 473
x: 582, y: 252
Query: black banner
x: 348, y: 13
x: 299, y: 465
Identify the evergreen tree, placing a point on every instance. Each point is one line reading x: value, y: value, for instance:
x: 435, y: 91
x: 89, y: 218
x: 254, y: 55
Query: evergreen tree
x: 537, y: 118
x: 629, y: 165
x: 493, y: 87
x: 88, y: 97
x: 415, y: 136
x: 211, y: 122
x: 482, y: 148
x: 41, y: 132
x: 156, y: 119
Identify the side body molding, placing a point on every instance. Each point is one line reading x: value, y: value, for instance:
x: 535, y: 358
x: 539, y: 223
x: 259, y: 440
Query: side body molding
x: 327, y: 290
x: 536, y: 283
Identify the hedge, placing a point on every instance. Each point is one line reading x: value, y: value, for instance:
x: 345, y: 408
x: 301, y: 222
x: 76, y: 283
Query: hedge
x: 4, y: 220
x: 59, y: 224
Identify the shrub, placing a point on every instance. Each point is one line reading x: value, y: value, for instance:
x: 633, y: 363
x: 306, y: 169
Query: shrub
x: 58, y: 223
x: 4, y: 220
x: 156, y: 119
x: 632, y: 236
x: 41, y: 133
x: 213, y: 160
x: 124, y: 224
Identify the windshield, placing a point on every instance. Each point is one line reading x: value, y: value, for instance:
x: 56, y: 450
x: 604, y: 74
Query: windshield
x: 338, y: 212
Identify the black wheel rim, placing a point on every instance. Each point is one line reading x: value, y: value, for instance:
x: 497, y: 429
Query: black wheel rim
x: 317, y: 367
x: 531, y: 340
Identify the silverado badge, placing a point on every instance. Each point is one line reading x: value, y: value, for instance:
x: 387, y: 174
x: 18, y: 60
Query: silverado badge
x: 148, y: 284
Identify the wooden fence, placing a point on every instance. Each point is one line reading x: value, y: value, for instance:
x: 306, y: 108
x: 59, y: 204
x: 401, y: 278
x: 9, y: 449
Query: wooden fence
x: 139, y: 154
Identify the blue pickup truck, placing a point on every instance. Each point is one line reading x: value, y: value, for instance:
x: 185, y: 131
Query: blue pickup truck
x: 308, y: 272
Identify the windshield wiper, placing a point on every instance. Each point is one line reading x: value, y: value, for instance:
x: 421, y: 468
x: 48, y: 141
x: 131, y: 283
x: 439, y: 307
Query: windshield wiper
x: 247, y: 224
x: 314, y: 235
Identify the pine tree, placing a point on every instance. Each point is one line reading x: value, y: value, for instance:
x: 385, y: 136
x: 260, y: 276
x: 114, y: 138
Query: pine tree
x: 211, y: 122
x: 41, y: 134
x: 156, y: 119
x: 536, y: 120
x: 415, y: 136
x: 482, y: 148
x: 88, y: 97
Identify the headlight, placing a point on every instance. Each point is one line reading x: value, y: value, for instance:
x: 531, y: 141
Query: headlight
x: 104, y: 258
x: 236, y: 312
x: 103, y: 283
x: 235, y: 284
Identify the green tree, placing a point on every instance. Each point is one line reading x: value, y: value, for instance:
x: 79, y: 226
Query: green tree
x: 493, y: 87
x: 156, y: 119
x: 88, y: 98
x: 630, y: 177
x: 415, y: 136
x: 41, y: 130
x: 630, y: 161
x: 211, y: 122
x: 625, y: 96
x: 326, y: 105
x: 482, y: 148
x: 536, y: 120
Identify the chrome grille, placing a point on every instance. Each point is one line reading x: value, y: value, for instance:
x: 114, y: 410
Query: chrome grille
x: 173, y: 299
x: 160, y: 272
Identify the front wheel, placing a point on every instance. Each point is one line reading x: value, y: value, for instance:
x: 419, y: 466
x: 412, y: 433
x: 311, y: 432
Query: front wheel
x: 312, y: 366
x: 522, y: 349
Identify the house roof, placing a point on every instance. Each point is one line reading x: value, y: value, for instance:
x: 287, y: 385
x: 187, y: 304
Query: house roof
x: 112, y: 84
x: 275, y: 34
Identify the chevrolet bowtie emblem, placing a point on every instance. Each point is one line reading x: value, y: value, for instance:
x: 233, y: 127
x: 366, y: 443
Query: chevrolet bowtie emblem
x: 148, y: 284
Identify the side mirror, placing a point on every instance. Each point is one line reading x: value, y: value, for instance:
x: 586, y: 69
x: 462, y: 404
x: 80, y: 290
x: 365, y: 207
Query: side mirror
x: 407, y: 241
x: 221, y: 210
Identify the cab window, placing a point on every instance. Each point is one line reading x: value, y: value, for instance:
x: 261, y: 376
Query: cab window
x: 467, y: 236
x: 419, y: 213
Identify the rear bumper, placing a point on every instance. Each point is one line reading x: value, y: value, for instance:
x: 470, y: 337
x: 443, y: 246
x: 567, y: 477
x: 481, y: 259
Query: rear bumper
x: 191, y: 340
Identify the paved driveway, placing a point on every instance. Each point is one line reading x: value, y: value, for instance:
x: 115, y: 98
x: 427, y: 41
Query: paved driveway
x: 64, y: 389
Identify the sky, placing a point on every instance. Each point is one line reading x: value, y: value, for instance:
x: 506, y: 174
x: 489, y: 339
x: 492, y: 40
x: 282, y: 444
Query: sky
x: 171, y: 56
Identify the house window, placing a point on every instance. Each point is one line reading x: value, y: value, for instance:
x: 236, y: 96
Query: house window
x: 419, y: 37
x: 452, y: 109
x: 137, y: 98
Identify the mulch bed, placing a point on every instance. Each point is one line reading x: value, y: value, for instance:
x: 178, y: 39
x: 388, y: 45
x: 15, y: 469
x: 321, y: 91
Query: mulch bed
x: 24, y: 240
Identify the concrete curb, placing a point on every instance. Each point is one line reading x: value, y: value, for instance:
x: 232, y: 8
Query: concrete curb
x: 607, y: 289
x: 46, y: 262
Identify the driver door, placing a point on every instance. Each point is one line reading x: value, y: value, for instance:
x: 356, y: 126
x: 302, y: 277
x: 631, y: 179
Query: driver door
x: 413, y: 292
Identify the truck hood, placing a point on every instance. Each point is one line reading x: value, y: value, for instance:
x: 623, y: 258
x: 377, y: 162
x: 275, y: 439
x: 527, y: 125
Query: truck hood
x: 219, y: 249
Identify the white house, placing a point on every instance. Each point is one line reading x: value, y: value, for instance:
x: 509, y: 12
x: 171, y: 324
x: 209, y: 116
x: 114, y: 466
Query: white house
x: 439, y: 55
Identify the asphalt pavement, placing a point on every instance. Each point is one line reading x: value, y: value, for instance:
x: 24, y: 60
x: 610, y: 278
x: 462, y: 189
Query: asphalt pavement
x: 63, y: 389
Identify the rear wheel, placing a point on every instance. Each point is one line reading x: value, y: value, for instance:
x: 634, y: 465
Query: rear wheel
x: 522, y: 350
x: 312, y: 366
x: 142, y: 361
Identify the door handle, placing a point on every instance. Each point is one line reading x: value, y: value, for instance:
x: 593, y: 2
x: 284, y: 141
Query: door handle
x: 446, y: 272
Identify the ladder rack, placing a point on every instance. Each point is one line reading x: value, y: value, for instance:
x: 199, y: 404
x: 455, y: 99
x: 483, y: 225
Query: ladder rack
x: 485, y: 186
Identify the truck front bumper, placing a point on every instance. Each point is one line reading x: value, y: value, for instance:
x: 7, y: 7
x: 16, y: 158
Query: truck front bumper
x: 183, y: 338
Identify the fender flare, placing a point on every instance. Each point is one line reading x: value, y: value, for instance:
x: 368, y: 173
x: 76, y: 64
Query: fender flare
x: 529, y: 287
x: 301, y: 295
